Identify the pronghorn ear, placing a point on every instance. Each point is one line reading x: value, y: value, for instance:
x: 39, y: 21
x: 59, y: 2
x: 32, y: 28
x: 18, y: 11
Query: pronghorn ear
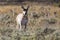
x: 22, y: 7
x: 28, y: 7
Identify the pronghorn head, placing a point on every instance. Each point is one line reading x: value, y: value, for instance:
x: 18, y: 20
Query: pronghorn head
x: 25, y: 10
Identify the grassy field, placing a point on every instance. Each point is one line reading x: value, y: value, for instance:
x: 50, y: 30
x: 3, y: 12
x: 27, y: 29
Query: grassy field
x: 36, y: 28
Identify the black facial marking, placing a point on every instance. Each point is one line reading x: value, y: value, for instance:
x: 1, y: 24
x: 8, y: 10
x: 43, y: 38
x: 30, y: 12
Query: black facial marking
x: 25, y: 9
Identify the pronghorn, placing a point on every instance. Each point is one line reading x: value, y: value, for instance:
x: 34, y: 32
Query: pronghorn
x: 22, y: 18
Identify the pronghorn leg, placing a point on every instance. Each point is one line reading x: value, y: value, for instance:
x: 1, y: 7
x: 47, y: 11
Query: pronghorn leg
x: 25, y: 27
x: 17, y: 27
x: 20, y: 28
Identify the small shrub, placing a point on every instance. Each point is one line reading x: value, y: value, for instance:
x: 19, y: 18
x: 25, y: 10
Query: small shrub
x: 52, y: 21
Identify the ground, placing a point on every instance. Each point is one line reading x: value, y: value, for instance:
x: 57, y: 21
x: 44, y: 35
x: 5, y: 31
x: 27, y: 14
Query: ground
x: 44, y: 26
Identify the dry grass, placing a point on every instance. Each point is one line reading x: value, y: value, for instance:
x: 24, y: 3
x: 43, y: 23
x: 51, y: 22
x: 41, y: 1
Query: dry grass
x: 35, y: 26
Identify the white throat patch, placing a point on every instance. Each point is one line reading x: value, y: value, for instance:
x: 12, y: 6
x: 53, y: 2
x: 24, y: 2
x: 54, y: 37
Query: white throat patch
x: 24, y: 12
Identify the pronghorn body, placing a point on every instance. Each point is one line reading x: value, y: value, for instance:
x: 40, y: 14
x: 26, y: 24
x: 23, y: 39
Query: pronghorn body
x: 24, y: 21
x: 21, y: 19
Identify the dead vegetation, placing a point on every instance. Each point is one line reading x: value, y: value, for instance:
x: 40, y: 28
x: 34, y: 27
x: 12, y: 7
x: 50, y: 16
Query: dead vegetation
x: 42, y: 23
